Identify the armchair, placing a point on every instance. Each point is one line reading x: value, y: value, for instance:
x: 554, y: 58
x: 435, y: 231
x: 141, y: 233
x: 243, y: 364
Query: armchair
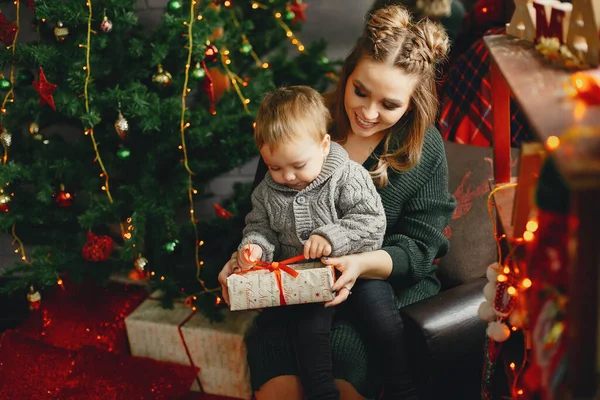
x: 444, y: 333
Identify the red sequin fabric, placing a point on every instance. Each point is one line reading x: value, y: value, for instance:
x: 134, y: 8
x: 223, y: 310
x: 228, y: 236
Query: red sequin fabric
x: 30, y: 369
x: 84, y: 315
x: 101, y: 375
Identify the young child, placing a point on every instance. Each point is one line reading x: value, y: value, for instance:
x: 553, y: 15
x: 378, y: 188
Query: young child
x: 314, y: 201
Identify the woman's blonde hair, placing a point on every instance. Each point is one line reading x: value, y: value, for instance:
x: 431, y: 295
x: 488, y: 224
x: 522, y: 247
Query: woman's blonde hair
x: 287, y: 113
x: 393, y: 38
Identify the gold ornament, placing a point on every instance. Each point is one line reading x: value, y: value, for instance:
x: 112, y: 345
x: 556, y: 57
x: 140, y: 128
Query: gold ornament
x: 162, y: 77
x: 6, y: 137
x: 4, y: 200
x: 61, y: 31
x: 34, y: 128
x: 121, y: 126
x: 141, y: 263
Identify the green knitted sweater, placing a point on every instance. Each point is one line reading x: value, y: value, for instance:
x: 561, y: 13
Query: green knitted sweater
x: 418, y: 207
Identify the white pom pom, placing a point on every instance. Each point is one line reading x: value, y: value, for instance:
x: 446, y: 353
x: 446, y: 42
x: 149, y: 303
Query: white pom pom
x: 489, y: 291
x: 516, y: 318
x: 498, y: 331
x: 492, y: 272
x: 486, y: 312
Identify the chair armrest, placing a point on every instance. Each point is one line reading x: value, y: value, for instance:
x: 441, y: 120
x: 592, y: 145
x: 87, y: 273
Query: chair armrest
x: 445, y: 337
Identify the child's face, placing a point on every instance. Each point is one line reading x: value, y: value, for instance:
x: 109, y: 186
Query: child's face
x: 296, y: 164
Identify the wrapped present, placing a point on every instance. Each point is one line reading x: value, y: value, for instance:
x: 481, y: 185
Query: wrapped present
x: 280, y: 283
x: 184, y: 336
x: 84, y: 314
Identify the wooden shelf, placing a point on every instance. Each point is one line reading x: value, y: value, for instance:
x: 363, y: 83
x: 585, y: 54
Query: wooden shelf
x: 539, y: 89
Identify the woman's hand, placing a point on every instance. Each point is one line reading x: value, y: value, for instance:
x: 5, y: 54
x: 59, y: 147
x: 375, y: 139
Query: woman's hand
x: 230, y: 267
x: 351, y: 268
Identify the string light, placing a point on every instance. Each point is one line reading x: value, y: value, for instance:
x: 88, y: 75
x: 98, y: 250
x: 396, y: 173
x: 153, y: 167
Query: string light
x: 11, y: 93
x: 183, y: 125
x: 552, y: 143
x: 90, y: 131
x: 20, y: 244
x: 234, y: 79
x: 283, y: 25
x: 511, y: 290
x: 9, y: 97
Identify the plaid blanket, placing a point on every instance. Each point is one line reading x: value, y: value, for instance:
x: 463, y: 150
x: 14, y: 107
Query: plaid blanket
x: 466, y: 97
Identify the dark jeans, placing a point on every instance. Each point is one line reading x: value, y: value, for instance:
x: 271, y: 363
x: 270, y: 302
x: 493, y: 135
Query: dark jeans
x: 373, y: 303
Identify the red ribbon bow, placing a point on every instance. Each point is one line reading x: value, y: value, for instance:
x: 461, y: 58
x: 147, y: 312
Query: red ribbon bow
x: 276, y: 268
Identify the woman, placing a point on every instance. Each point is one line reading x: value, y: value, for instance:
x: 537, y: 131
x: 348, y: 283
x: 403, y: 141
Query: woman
x: 383, y: 111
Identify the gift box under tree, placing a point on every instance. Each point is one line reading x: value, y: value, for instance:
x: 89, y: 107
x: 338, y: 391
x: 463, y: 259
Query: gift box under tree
x: 183, y: 336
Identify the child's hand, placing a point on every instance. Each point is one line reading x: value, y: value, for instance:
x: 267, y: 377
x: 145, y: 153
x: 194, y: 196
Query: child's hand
x: 316, y: 247
x: 249, y: 255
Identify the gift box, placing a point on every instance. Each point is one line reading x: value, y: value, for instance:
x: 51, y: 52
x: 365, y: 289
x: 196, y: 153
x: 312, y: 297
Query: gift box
x: 278, y: 284
x: 183, y: 336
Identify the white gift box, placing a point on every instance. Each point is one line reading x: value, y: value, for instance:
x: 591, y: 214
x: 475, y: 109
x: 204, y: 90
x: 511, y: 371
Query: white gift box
x: 259, y: 288
x: 218, y: 349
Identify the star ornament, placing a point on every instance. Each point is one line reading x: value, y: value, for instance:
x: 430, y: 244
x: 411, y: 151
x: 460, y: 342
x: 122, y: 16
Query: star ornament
x: 45, y: 89
x: 299, y: 10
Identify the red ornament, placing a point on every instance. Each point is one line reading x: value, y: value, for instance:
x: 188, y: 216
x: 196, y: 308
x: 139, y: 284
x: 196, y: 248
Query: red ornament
x: 299, y: 9
x: 64, y: 198
x: 31, y: 4
x: 211, y: 53
x: 97, y: 248
x: 221, y: 212
x: 8, y: 30
x: 209, y: 88
x: 45, y: 89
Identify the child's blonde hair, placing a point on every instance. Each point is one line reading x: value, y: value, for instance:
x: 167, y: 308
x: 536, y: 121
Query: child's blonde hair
x: 289, y: 112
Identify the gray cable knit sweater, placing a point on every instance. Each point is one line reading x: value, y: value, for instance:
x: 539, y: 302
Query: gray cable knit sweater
x: 341, y: 204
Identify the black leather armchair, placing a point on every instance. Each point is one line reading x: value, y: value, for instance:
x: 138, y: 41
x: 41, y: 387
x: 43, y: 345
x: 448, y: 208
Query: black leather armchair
x: 445, y: 337
x: 445, y: 342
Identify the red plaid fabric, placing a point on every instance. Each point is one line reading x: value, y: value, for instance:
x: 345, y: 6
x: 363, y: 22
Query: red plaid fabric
x: 466, y: 96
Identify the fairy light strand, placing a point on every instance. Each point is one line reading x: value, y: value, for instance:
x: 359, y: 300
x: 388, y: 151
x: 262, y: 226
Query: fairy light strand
x: 283, y: 25
x: 11, y: 93
x: 182, y: 126
x: 19, y: 243
x: 516, y: 372
x: 234, y: 78
x: 90, y: 131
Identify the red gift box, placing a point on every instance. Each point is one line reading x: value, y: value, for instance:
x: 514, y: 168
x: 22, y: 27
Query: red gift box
x: 84, y: 314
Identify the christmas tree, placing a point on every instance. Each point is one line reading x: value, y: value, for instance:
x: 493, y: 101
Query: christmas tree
x: 110, y: 134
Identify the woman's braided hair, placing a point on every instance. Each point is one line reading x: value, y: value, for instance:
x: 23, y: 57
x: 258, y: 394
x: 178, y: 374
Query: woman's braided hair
x: 392, y: 37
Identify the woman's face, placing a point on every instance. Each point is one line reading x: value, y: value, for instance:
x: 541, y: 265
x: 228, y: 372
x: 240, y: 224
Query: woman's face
x: 377, y: 95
